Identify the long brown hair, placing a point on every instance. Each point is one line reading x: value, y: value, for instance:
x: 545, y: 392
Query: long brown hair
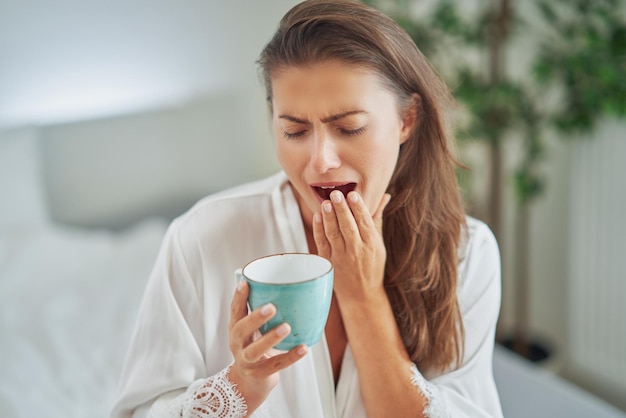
x: 422, y: 224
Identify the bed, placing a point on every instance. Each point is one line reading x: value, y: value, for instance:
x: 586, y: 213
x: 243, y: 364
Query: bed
x: 69, y: 296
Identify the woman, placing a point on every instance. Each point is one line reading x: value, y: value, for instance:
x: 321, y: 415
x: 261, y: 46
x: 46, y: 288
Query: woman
x: 368, y: 182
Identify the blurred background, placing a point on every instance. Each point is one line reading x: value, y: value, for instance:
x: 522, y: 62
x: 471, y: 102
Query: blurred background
x: 117, y: 116
x: 541, y: 122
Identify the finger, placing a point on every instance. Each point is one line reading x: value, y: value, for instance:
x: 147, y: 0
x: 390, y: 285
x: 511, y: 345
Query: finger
x: 345, y: 218
x: 282, y: 361
x: 259, y: 348
x: 362, y: 216
x: 378, y: 215
x: 239, y: 303
x: 242, y: 331
x: 322, y: 244
x: 331, y: 227
x: 278, y: 362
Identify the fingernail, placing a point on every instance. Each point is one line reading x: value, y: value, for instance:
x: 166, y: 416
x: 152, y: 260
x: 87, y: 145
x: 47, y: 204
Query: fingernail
x: 239, y: 285
x: 327, y: 207
x: 353, y: 196
x: 266, y: 309
x: 336, y: 196
x: 302, y: 350
x: 317, y: 217
x: 282, y: 330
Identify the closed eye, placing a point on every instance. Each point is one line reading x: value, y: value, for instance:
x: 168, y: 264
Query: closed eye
x: 352, y: 132
x: 343, y: 131
x: 293, y: 135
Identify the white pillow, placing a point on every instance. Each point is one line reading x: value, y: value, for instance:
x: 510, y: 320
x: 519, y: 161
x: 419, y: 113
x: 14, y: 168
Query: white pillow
x: 22, y: 199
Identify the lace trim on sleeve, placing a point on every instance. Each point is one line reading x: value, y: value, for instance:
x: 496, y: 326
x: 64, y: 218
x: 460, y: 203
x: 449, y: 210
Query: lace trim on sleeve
x: 214, y: 397
x: 437, y: 407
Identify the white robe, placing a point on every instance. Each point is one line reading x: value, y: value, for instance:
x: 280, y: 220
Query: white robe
x: 182, y: 330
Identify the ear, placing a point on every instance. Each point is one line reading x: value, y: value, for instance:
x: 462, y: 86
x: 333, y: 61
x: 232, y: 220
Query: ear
x: 409, y: 117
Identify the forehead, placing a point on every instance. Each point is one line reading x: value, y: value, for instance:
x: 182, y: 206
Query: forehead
x: 334, y: 83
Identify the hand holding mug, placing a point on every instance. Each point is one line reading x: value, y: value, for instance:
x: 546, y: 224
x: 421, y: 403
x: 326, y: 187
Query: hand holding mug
x: 256, y: 366
x: 289, y: 295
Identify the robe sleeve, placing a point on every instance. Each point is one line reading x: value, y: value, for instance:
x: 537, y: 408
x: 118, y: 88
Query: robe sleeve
x: 470, y: 390
x: 165, y: 362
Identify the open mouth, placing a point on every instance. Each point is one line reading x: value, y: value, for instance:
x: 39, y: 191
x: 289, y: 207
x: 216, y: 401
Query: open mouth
x: 325, y: 191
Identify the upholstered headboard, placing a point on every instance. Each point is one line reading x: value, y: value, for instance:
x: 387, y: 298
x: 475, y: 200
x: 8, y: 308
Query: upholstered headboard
x: 112, y: 172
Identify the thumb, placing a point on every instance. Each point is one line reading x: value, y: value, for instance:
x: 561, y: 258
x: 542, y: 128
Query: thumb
x: 239, y: 303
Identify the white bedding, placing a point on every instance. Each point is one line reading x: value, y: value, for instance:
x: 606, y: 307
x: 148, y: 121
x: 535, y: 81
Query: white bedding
x: 68, y: 302
x: 68, y: 296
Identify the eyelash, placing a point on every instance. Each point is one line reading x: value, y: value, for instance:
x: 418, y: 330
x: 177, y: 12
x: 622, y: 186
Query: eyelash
x: 349, y: 132
x: 295, y: 135
x: 353, y: 132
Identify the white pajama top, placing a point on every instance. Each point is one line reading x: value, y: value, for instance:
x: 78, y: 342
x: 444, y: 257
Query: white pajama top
x: 181, y: 339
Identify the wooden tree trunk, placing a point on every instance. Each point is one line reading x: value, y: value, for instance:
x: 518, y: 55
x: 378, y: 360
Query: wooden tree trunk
x: 500, y: 21
x: 498, y: 34
x: 494, y: 217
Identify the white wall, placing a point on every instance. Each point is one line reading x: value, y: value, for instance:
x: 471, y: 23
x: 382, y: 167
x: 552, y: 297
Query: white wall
x: 141, y: 107
x: 69, y: 60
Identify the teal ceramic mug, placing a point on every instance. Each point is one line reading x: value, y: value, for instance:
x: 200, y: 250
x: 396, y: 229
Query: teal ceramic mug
x: 300, y: 285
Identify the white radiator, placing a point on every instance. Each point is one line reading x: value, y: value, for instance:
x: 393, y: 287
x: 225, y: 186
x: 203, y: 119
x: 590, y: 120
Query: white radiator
x: 597, y: 256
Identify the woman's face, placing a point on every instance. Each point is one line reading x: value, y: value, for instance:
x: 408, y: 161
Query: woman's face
x: 336, y: 127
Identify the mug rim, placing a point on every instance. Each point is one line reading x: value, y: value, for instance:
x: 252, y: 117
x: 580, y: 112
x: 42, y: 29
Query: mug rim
x: 331, y: 267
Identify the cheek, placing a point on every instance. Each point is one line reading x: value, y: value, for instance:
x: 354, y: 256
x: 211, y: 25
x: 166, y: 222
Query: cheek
x: 383, y: 154
x: 290, y: 157
x: 381, y: 159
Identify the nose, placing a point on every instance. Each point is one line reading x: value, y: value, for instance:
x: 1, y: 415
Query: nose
x: 324, y: 156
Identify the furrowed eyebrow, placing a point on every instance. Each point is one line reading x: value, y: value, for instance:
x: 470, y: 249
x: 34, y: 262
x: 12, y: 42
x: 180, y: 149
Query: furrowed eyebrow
x: 342, y: 115
x: 328, y: 119
x: 293, y: 119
